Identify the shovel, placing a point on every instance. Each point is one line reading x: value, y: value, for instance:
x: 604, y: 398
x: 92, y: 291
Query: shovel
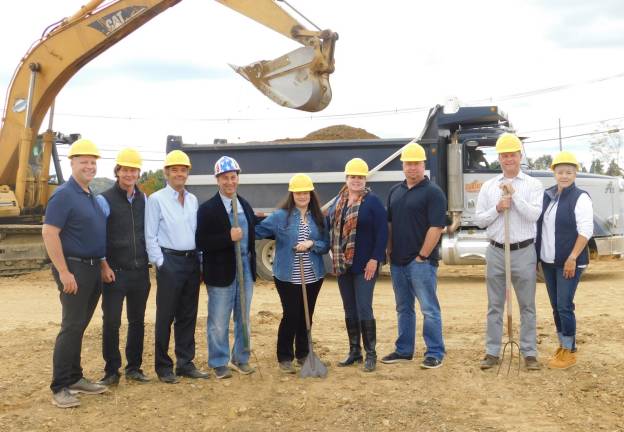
x: 312, y: 367
x: 241, y: 279
x: 511, y: 343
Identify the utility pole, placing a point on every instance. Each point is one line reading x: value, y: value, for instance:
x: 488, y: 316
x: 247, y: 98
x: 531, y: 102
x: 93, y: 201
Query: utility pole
x: 560, y: 145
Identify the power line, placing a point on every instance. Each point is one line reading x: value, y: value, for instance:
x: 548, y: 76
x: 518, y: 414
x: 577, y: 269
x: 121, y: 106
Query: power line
x: 522, y: 132
x: 609, y: 131
x: 378, y: 113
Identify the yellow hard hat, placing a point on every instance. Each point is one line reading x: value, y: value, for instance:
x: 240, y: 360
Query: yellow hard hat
x: 356, y: 167
x: 300, y: 183
x: 177, y: 157
x: 413, y: 152
x: 565, y: 157
x: 129, y: 157
x: 508, y: 143
x: 83, y: 147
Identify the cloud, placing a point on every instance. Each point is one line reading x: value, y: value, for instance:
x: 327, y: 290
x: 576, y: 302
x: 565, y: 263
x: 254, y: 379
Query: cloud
x: 153, y: 70
x: 582, y: 24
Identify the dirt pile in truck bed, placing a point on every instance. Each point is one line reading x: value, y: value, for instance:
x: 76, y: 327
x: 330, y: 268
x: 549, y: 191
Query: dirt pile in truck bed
x: 336, y: 132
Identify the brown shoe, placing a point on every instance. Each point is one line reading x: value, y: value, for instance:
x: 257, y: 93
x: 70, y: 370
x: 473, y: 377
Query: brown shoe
x: 565, y: 360
x: 488, y: 362
x: 531, y: 363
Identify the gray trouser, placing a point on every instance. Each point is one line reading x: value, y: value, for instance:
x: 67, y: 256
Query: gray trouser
x: 523, y: 274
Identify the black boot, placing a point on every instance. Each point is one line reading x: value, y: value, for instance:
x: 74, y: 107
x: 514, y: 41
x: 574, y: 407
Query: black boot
x: 369, y: 337
x: 355, y: 352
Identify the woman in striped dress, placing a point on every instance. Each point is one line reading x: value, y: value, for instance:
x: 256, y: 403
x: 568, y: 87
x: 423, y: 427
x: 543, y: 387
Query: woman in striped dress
x: 300, y: 230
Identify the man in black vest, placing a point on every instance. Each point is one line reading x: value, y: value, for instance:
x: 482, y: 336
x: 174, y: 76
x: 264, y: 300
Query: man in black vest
x: 125, y: 269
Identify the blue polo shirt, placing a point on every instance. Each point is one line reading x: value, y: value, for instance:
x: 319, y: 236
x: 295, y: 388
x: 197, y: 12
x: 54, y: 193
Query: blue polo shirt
x: 82, y: 222
x: 412, y: 212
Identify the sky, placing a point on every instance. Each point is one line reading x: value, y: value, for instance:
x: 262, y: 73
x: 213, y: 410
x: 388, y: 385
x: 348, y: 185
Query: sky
x: 542, y: 62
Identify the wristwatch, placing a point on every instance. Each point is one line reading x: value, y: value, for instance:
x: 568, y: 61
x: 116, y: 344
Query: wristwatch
x: 422, y: 257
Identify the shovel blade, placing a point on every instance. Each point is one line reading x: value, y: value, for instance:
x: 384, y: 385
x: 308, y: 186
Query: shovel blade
x: 290, y: 80
x: 313, y: 367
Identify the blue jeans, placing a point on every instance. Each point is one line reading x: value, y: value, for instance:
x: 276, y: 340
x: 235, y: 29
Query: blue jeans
x: 561, y: 294
x: 417, y: 280
x: 222, y: 302
x: 357, y: 296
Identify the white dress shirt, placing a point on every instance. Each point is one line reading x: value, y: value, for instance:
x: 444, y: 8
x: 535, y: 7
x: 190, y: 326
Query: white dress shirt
x: 584, y: 214
x: 526, y: 207
x: 169, y: 224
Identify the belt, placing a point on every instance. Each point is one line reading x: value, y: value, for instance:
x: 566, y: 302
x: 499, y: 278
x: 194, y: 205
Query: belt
x: 513, y: 246
x: 188, y: 253
x: 90, y: 261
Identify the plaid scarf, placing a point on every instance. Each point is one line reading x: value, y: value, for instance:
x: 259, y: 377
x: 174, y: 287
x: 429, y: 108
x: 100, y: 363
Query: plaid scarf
x: 343, y: 238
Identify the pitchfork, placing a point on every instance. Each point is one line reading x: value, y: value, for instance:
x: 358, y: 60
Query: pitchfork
x: 511, y: 343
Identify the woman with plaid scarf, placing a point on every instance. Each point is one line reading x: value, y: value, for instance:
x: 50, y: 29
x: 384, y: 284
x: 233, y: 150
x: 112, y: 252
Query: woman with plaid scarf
x: 358, y: 234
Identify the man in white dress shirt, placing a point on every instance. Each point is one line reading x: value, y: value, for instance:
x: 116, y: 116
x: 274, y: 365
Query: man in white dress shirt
x: 522, y: 196
x: 170, y: 223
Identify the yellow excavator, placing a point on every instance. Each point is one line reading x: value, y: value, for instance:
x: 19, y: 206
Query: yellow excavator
x: 298, y: 80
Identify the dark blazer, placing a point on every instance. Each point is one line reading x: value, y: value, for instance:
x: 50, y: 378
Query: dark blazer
x: 213, y: 240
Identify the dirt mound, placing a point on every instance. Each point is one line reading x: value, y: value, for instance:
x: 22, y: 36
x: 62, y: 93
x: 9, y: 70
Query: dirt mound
x: 336, y: 132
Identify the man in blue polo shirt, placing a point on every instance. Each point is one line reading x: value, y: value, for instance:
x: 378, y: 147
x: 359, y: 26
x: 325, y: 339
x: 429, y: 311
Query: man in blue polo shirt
x: 416, y: 218
x: 74, y: 234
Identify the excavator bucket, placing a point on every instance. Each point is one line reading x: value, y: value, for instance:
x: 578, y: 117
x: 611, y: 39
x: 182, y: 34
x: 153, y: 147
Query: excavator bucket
x: 291, y: 80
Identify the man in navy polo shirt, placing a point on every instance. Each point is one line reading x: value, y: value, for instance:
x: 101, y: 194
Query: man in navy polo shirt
x: 416, y: 218
x: 74, y: 233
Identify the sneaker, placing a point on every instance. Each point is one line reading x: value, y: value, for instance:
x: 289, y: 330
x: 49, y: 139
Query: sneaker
x: 109, y: 380
x: 287, y: 367
x: 301, y: 361
x: 222, y: 372
x: 430, y: 363
x: 169, y: 378
x: 566, y: 359
x: 64, y: 399
x: 488, y: 362
x: 137, y: 375
x: 85, y: 386
x: 531, y: 363
x: 395, y: 358
x: 242, y: 368
x: 192, y: 373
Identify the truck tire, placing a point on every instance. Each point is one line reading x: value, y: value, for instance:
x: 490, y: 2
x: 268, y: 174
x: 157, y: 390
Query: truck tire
x: 265, y: 252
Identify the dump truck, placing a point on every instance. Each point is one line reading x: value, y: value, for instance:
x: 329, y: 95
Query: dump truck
x: 298, y: 80
x: 459, y: 143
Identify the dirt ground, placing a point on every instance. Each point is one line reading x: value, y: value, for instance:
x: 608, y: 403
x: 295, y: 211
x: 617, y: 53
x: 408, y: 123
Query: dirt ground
x: 456, y: 397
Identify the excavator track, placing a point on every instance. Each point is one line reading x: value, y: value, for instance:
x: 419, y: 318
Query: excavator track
x: 21, y: 249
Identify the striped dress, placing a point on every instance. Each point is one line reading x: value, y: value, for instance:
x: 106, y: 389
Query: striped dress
x: 303, y: 235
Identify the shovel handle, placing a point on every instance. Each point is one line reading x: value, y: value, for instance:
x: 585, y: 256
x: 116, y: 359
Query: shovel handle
x: 508, y: 298
x: 241, y: 278
x: 305, y: 295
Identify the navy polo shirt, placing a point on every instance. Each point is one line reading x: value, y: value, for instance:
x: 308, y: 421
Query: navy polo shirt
x: 412, y: 212
x: 82, y: 222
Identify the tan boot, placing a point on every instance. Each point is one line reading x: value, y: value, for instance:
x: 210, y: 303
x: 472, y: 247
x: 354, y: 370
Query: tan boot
x: 556, y: 354
x: 565, y: 360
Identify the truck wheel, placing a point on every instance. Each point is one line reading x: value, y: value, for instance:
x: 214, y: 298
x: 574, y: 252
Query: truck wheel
x: 265, y: 252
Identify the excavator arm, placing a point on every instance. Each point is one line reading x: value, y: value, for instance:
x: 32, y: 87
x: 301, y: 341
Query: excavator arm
x: 298, y: 80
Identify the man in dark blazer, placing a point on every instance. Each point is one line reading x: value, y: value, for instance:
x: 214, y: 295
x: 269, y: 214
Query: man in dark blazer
x: 216, y: 238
